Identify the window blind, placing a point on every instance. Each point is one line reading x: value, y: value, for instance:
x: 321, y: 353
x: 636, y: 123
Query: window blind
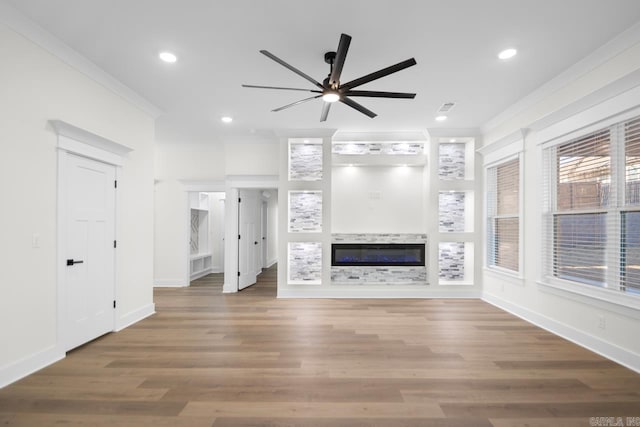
x: 592, y: 208
x: 503, y: 206
x: 630, y: 219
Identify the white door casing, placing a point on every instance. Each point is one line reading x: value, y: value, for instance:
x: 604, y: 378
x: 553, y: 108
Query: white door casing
x: 86, y: 161
x: 88, y: 207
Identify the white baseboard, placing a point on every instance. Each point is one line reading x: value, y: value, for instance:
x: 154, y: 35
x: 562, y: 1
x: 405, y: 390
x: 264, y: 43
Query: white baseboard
x: 135, y: 316
x: 200, y: 274
x: 384, y: 292
x: 169, y: 283
x: 606, y: 349
x: 229, y: 288
x: 28, y: 365
x: 271, y: 262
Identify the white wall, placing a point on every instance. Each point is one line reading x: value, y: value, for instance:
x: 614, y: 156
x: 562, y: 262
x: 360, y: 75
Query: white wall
x: 272, y: 228
x: 216, y: 230
x: 377, y: 199
x: 37, y: 87
x: 180, y: 163
x: 569, y: 314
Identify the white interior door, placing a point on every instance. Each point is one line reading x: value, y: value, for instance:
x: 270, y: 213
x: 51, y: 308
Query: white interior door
x: 263, y: 238
x: 248, y: 243
x: 89, y: 262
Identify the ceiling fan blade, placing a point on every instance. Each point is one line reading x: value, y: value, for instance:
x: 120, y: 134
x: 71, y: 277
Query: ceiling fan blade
x: 379, y: 74
x: 296, y: 103
x: 281, y: 88
x: 325, y: 111
x: 357, y: 106
x: 341, y: 55
x: 291, y: 67
x: 377, y: 94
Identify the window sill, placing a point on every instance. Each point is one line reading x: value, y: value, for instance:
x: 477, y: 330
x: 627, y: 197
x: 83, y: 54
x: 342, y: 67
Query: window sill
x: 502, y: 274
x: 590, y: 294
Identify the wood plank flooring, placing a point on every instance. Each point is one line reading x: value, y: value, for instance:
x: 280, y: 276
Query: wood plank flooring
x: 248, y: 359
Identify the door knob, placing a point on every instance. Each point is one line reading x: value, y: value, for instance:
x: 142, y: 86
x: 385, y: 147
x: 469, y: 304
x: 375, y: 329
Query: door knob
x: 255, y: 243
x: 72, y: 262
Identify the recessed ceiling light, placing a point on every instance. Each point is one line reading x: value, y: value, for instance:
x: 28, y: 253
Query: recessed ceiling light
x: 441, y: 118
x: 227, y: 119
x: 168, y: 57
x: 507, y: 53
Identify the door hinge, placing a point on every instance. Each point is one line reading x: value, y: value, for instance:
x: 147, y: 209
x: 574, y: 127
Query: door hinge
x: 115, y: 184
x: 114, y: 303
x: 115, y: 244
x: 239, y: 200
x: 238, y: 237
x: 238, y: 274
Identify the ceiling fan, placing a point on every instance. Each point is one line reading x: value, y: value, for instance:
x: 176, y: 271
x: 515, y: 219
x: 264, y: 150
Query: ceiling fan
x: 331, y: 90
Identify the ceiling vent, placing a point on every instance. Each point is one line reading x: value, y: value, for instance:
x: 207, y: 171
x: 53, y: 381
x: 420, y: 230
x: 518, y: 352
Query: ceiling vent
x: 446, y: 107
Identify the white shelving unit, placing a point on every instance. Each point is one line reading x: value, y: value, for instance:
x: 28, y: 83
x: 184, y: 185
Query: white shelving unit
x: 201, y: 259
x: 200, y: 265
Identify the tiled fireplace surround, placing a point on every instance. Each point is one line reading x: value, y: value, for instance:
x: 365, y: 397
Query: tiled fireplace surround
x: 391, y: 275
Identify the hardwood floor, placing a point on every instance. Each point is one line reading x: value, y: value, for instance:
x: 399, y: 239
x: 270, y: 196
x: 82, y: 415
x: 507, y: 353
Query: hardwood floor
x: 248, y: 359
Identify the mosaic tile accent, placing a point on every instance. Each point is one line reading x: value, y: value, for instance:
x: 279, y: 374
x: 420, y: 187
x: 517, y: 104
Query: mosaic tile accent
x: 379, y: 275
x: 378, y: 238
x: 451, y: 260
x: 305, y: 162
x: 305, y: 211
x: 451, y: 161
x: 305, y: 262
x: 451, y: 207
x: 195, y: 230
x: 392, y: 148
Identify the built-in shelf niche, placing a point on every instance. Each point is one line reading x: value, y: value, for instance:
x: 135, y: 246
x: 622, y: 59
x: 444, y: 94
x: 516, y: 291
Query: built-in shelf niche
x: 305, y: 211
x: 455, y: 159
x: 305, y: 159
x: 456, y: 210
x: 305, y: 263
x: 362, y: 153
x: 199, y: 245
x: 455, y: 263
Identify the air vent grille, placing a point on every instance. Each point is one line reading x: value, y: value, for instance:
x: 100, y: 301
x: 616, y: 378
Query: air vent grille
x: 446, y: 107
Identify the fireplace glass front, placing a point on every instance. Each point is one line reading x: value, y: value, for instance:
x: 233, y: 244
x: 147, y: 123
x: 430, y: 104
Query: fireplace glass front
x: 374, y: 254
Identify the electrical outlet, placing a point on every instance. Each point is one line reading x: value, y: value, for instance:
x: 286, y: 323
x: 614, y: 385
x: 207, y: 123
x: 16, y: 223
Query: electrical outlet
x: 602, y: 323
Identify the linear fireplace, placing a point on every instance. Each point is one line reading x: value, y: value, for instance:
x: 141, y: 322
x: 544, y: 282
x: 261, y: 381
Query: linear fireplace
x: 378, y: 254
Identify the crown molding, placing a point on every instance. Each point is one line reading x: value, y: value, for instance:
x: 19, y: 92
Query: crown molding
x: 606, y: 52
x: 22, y: 25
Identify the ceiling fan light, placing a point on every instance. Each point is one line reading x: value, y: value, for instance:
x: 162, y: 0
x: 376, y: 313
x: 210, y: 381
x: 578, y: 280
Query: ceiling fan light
x: 330, y: 97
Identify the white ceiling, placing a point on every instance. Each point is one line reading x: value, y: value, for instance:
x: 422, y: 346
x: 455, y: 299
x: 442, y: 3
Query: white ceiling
x: 455, y: 43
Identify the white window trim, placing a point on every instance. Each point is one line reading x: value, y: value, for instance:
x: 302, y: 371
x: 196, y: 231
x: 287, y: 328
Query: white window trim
x: 507, y: 154
x: 556, y: 135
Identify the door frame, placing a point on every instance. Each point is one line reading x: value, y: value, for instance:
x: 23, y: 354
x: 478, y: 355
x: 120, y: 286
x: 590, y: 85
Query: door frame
x: 233, y: 184
x: 72, y: 140
x: 194, y: 187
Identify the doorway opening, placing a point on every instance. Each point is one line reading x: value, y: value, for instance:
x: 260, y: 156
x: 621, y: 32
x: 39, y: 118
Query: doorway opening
x: 206, y: 233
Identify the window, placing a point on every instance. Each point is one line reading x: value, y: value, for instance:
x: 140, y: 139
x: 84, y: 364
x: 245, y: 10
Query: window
x: 592, y: 208
x: 503, y: 221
